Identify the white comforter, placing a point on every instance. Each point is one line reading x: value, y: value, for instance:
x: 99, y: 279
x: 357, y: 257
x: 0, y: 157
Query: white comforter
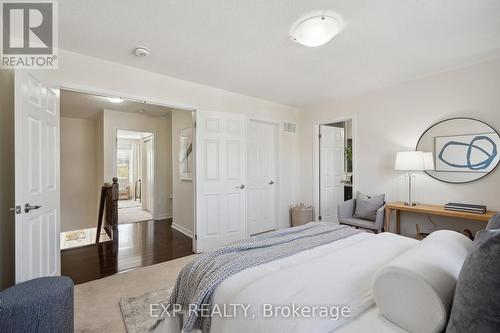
x: 334, y: 275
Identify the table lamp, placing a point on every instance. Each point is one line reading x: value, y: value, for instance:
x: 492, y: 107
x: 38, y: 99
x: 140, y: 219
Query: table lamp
x: 411, y: 161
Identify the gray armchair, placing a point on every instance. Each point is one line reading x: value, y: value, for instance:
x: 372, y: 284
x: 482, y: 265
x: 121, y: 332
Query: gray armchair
x: 345, y: 212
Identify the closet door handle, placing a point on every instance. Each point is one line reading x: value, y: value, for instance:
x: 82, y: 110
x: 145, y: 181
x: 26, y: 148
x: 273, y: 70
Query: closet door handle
x: 242, y: 186
x: 271, y: 182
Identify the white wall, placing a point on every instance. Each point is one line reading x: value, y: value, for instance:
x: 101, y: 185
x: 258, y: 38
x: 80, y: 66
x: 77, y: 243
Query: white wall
x: 79, y: 208
x: 183, y: 191
x: 79, y: 71
x: 392, y: 119
x: 99, y: 156
x: 6, y: 178
x: 162, y: 129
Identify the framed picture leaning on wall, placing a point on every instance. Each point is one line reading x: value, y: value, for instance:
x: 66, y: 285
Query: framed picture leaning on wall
x: 186, y: 154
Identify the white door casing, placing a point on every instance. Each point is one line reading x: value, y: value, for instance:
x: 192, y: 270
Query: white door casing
x: 261, y: 176
x: 331, y: 171
x: 37, y: 178
x: 148, y: 174
x: 220, y: 179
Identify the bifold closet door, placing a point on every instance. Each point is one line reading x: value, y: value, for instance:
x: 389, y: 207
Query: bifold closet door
x: 220, y: 178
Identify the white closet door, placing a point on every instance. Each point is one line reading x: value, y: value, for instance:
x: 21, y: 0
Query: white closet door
x: 37, y: 156
x: 261, y: 174
x: 331, y: 171
x: 220, y: 179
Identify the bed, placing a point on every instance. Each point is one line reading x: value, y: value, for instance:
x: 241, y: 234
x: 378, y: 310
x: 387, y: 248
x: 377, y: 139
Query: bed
x: 336, y: 275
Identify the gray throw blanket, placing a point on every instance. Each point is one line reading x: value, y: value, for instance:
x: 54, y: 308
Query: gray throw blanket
x: 197, y: 281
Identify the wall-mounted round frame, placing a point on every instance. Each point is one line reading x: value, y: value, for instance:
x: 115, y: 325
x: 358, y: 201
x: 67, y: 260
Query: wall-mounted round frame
x: 464, y: 149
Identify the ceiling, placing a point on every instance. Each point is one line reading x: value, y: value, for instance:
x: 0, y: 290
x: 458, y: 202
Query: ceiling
x: 243, y: 45
x: 87, y: 106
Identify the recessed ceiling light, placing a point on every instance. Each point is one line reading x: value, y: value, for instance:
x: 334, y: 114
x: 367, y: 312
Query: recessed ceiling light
x: 142, y: 51
x: 316, y: 29
x: 115, y: 99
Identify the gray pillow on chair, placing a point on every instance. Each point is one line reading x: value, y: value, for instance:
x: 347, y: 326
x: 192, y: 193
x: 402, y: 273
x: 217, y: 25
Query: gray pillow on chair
x: 366, y: 206
x: 476, y: 304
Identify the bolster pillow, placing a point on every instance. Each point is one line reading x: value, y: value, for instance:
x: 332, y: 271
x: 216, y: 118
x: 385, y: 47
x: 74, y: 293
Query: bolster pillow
x: 415, y: 289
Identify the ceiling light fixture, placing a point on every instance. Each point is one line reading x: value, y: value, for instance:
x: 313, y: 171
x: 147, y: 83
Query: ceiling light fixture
x: 115, y: 99
x: 142, y: 51
x: 316, y: 29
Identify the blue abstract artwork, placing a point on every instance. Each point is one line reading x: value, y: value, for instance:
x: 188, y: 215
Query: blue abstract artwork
x: 467, y: 153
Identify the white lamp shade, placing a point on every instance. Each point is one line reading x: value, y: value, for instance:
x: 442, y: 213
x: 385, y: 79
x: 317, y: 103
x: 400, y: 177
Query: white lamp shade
x: 428, y: 161
x: 410, y: 161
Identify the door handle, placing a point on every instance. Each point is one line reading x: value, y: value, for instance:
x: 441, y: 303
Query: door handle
x: 242, y: 186
x: 28, y: 208
x: 271, y: 182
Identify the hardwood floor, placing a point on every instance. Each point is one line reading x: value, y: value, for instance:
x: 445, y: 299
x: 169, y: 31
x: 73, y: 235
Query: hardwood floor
x: 140, y: 244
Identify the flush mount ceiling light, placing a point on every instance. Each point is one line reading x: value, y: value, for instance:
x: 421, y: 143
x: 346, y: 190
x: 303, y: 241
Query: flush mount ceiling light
x: 115, y: 99
x: 142, y: 51
x: 316, y: 29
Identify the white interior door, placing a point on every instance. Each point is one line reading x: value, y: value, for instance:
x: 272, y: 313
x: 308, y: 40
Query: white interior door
x: 261, y: 175
x: 331, y: 146
x: 37, y: 156
x: 220, y: 179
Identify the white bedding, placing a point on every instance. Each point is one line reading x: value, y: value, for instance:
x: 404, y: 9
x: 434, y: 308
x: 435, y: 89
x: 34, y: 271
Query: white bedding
x: 334, y: 275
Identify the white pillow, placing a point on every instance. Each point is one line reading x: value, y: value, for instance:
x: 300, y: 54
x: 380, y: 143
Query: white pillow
x: 415, y: 289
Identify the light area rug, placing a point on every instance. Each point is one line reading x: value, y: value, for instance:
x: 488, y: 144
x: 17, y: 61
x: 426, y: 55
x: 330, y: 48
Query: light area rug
x: 128, y: 204
x: 133, y: 214
x: 136, y: 310
x: 97, y: 303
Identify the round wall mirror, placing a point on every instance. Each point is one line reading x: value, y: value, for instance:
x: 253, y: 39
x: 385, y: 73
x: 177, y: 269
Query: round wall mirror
x: 464, y: 149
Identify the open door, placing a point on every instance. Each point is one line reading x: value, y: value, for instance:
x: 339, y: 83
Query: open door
x: 331, y: 162
x: 220, y: 179
x: 37, y: 154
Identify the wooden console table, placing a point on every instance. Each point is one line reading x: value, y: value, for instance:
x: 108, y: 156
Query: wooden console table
x: 399, y: 207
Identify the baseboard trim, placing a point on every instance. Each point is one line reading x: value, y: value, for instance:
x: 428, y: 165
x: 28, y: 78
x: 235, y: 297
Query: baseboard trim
x: 183, y: 230
x: 163, y: 217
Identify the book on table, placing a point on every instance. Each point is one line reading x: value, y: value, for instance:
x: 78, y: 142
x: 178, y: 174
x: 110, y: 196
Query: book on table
x: 461, y: 207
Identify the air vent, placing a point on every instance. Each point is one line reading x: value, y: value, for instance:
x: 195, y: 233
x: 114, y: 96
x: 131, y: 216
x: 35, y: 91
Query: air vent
x: 289, y: 127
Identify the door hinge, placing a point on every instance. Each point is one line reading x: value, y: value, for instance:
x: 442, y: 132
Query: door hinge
x: 319, y: 135
x: 195, y: 236
x: 16, y: 209
x: 195, y: 124
x: 319, y: 217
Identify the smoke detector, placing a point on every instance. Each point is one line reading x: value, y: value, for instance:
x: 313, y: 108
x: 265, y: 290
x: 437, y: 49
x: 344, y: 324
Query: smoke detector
x: 142, y: 51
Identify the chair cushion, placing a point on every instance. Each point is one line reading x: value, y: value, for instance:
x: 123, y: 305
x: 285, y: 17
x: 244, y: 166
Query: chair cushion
x: 358, y: 223
x: 43, y: 305
x: 476, y: 304
x: 367, y: 206
x: 494, y: 222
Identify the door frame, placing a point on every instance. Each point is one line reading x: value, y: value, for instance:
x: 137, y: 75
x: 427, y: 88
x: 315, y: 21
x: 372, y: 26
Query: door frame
x: 154, y: 147
x: 57, y: 85
x: 315, y: 148
x: 276, y: 126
